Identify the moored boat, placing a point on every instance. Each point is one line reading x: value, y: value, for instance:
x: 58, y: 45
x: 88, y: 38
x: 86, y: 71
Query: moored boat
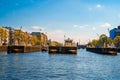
x: 68, y: 48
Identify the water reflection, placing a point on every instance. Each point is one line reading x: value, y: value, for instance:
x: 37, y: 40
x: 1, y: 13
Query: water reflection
x: 3, y: 52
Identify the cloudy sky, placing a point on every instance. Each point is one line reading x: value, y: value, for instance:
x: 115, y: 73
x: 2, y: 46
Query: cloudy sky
x: 80, y: 20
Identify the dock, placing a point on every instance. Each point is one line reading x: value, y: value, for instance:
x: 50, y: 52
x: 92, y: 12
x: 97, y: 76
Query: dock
x: 68, y: 48
x: 107, y: 51
x: 23, y: 49
x: 62, y: 50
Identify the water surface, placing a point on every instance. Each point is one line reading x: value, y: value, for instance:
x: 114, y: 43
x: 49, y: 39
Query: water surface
x: 42, y: 66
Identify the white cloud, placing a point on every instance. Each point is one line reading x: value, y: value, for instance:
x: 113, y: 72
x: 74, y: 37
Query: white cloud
x: 98, y: 6
x: 75, y: 26
x: 107, y: 25
x: 80, y: 26
x: 93, y: 28
x: 38, y: 28
x: 94, y: 7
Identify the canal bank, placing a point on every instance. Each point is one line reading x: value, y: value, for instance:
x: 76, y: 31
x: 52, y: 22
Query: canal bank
x: 62, y: 50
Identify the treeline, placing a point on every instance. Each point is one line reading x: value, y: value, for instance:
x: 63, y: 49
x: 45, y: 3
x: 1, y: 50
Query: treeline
x: 104, y: 41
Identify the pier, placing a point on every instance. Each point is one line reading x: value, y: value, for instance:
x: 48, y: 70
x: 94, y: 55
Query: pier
x: 108, y: 51
x: 23, y: 49
x: 68, y: 48
x: 62, y: 49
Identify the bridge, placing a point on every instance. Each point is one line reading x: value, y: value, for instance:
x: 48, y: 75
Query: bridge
x: 81, y: 46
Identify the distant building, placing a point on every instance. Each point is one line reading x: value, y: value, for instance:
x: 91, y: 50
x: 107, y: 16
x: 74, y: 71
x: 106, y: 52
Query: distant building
x: 42, y: 37
x: 10, y: 34
x: 36, y: 34
x: 114, y: 32
x: 4, y: 36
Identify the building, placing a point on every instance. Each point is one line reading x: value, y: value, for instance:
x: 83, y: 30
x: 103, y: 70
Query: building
x: 114, y: 32
x: 36, y: 34
x: 42, y: 37
x: 4, y: 36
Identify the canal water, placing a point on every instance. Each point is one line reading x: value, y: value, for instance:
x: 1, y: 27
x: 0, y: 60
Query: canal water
x: 42, y: 66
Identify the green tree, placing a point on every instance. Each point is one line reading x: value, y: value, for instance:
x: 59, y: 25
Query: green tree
x: 103, y: 40
x: 34, y: 40
x: 116, y: 41
x: 18, y: 35
x: 94, y: 42
x: 26, y: 38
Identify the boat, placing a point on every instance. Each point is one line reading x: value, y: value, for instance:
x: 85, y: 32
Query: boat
x: 68, y: 48
x: 44, y: 49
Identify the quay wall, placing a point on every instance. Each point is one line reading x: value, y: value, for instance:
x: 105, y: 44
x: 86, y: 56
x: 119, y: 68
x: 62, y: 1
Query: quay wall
x: 32, y: 48
x: 3, y: 48
x: 103, y: 50
x: 23, y: 49
x: 62, y: 49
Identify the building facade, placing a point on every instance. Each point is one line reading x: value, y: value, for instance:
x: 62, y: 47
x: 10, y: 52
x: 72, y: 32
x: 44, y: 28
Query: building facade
x: 4, y: 36
x: 42, y: 37
x: 114, y: 32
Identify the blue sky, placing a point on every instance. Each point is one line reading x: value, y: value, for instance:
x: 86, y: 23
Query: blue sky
x: 77, y: 19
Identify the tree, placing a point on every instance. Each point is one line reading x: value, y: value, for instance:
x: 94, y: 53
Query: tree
x: 116, y: 41
x: 94, y: 42
x: 103, y: 41
x: 18, y: 36
x: 34, y: 40
x: 26, y: 38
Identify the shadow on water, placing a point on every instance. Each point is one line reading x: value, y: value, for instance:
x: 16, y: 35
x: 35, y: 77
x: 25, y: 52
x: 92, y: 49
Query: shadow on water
x: 62, y: 54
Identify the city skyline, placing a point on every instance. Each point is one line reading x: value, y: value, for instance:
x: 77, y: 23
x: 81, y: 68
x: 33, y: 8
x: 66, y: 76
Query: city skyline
x: 80, y: 20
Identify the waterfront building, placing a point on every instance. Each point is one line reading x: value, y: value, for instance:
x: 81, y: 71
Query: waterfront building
x: 36, y: 34
x: 114, y: 32
x: 42, y: 37
x: 4, y: 36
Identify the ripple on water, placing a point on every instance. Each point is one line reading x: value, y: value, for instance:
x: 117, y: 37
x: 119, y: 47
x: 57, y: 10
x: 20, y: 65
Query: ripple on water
x: 42, y: 66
